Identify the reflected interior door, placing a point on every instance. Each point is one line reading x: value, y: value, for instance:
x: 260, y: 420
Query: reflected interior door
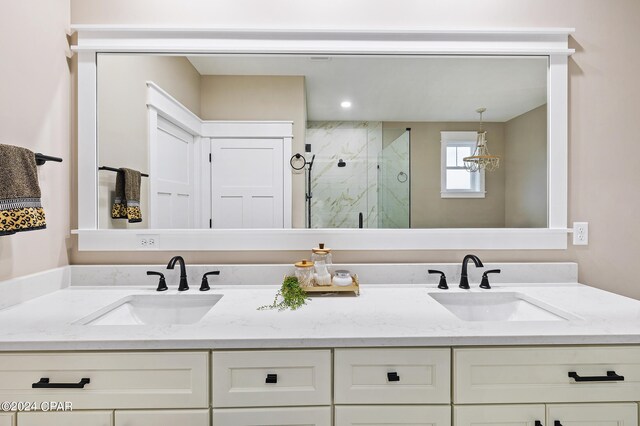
x: 247, y: 183
x: 172, y: 178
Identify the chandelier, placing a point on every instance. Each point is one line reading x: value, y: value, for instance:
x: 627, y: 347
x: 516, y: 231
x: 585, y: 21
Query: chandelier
x: 481, y: 159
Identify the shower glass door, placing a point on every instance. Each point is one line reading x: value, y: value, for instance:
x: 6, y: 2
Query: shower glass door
x: 394, y: 180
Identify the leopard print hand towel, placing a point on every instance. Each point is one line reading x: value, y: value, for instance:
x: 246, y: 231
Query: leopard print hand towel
x: 126, y: 204
x: 20, y: 205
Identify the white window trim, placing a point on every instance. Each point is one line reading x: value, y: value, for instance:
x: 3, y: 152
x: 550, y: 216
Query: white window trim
x: 445, y: 139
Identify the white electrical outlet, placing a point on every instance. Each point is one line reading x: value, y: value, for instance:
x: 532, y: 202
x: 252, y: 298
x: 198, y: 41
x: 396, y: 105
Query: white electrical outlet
x: 147, y: 242
x: 580, y: 233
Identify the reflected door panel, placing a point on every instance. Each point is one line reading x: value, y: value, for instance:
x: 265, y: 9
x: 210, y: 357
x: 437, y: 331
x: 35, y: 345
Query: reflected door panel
x: 247, y: 178
x: 172, y: 184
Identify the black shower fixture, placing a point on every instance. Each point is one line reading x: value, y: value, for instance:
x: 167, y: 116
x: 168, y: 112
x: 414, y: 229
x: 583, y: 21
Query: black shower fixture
x: 341, y: 163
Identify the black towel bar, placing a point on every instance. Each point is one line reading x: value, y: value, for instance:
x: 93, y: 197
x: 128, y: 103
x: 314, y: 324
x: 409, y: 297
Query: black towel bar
x: 113, y: 169
x: 41, y: 159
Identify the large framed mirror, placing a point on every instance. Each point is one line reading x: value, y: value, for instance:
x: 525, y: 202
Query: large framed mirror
x: 368, y: 140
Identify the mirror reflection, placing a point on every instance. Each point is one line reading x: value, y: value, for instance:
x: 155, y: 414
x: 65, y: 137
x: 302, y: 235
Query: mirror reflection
x: 308, y: 141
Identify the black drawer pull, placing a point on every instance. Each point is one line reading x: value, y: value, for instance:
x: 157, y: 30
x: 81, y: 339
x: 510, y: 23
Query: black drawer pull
x: 538, y: 423
x: 271, y: 378
x: 393, y: 377
x: 45, y: 384
x: 610, y: 377
x: 557, y: 423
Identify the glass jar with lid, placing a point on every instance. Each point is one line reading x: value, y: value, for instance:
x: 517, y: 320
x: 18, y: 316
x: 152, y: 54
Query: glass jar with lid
x: 322, y: 264
x: 304, y: 273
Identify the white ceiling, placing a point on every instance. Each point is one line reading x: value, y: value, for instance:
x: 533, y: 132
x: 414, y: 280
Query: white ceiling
x: 401, y: 88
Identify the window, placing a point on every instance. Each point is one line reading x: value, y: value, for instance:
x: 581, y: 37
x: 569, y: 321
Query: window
x: 456, y: 181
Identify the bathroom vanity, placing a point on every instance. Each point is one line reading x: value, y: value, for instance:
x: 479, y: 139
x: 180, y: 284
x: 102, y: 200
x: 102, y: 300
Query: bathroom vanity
x: 403, y: 352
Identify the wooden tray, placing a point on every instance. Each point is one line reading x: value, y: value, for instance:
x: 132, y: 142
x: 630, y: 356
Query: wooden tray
x: 353, y: 289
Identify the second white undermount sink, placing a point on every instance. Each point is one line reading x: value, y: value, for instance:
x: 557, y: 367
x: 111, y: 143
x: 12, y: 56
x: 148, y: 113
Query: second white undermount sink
x: 160, y: 309
x: 507, y: 306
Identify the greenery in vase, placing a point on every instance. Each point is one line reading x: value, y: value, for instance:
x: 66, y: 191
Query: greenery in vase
x: 293, y: 296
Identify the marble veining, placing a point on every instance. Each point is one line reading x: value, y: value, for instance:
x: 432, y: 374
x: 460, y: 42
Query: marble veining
x: 341, y: 193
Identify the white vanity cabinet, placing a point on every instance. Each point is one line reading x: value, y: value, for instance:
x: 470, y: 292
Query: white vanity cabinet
x: 491, y: 415
x: 556, y: 381
x: 107, y: 380
x: 268, y: 379
x: 289, y: 416
x: 162, y: 417
x: 551, y: 415
x: 382, y: 382
x: 74, y: 418
x: 7, y: 419
x: 543, y: 374
x: 96, y: 383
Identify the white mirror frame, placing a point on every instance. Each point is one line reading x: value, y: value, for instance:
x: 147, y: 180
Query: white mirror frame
x: 551, y: 42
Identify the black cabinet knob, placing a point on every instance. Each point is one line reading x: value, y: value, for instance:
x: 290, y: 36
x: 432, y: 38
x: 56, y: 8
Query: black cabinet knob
x: 271, y: 378
x: 538, y: 423
x: 393, y: 377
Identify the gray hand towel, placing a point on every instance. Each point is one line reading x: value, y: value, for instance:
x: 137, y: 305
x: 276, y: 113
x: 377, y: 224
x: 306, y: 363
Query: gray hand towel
x: 126, y: 204
x: 20, y: 205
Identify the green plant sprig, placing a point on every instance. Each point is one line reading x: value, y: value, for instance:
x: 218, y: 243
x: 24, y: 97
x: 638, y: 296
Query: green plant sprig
x: 293, y: 296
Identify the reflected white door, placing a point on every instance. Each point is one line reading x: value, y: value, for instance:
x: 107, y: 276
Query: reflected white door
x: 247, y: 183
x: 172, y: 175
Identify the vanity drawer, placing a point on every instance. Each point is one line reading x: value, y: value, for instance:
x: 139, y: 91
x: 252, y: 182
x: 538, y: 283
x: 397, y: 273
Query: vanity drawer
x: 515, y: 375
x: 77, y: 418
x: 162, y: 417
x: 117, y: 379
x: 413, y: 415
x: 305, y: 416
x: 271, y: 378
x: 392, y: 376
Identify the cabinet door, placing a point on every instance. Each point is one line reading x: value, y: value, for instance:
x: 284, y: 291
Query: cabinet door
x: 77, y: 418
x: 307, y: 416
x: 162, y: 418
x: 7, y: 419
x: 399, y: 415
x: 504, y: 415
x: 592, y: 415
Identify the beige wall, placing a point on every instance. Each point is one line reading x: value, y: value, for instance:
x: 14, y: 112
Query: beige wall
x: 603, y: 108
x: 233, y: 97
x: 122, y: 118
x: 35, y: 113
x: 525, y: 165
x: 428, y: 209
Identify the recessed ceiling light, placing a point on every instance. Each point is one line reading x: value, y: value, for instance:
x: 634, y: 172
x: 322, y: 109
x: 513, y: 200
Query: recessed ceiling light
x: 345, y: 104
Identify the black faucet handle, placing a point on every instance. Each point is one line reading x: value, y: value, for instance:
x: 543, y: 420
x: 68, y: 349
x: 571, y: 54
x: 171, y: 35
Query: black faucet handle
x: 162, y: 283
x: 485, y: 278
x: 443, y: 279
x: 204, y: 286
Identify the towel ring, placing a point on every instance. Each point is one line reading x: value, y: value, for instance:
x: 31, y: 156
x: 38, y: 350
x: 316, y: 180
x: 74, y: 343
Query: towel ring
x: 402, y: 177
x: 298, y: 157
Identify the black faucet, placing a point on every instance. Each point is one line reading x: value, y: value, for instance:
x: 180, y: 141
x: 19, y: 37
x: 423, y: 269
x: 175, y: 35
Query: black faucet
x: 464, y: 279
x: 184, y: 285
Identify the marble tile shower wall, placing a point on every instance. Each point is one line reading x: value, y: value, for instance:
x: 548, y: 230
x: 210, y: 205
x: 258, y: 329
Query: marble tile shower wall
x: 341, y: 193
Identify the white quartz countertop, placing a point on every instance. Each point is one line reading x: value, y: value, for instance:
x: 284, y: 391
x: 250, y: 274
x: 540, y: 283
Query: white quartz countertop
x: 398, y: 315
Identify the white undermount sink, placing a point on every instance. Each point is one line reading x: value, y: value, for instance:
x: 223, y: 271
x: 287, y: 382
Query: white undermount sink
x: 157, y: 309
x: 499, y: 307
